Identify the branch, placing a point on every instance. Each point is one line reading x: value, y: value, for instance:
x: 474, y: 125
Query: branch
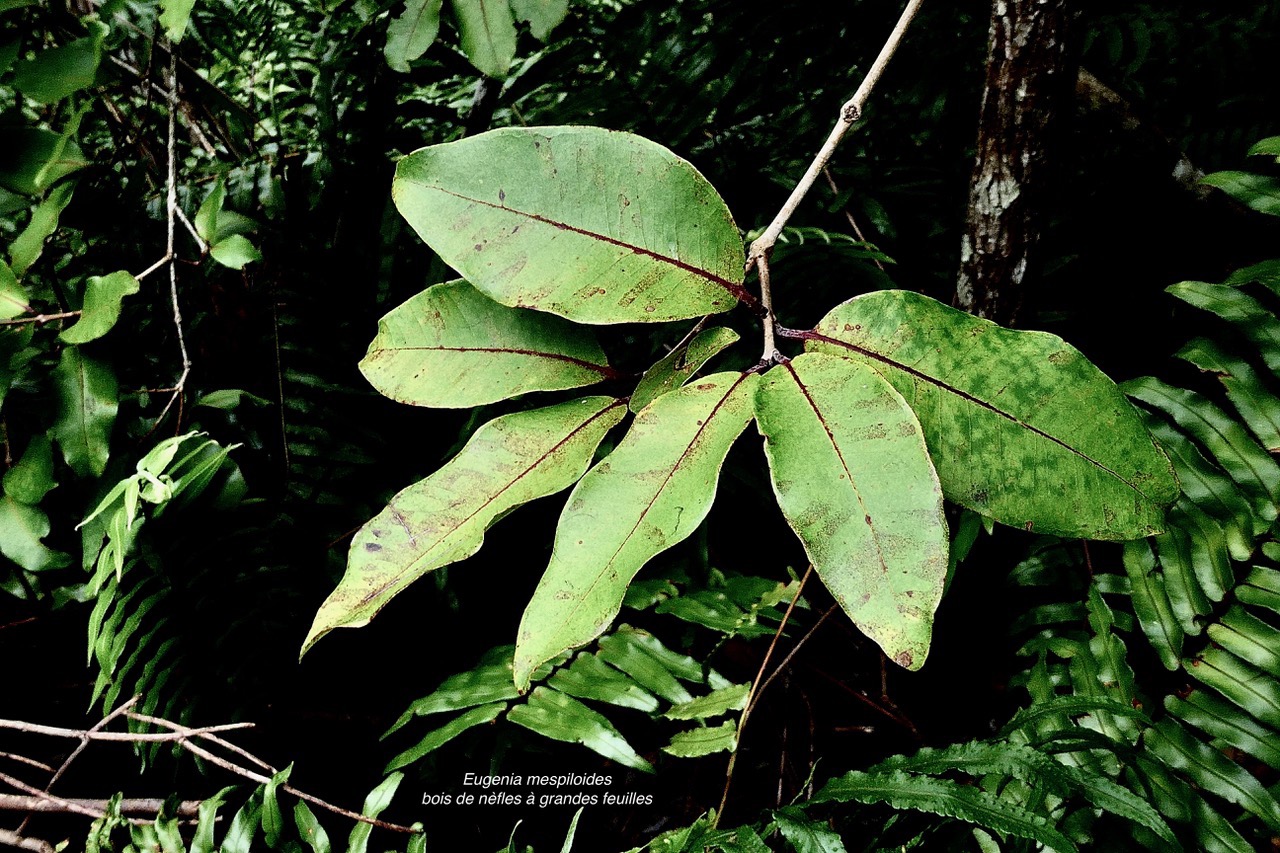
x: 849, y: 115
x: 41, y: 319
x: 758, y: 254
x: 755, y: 691
x: 171, y: 205
x: 9, y: 838
x: 146, y: 805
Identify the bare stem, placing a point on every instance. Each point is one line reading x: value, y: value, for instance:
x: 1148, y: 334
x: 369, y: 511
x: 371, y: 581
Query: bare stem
x: 144, y: 805
x: 84, y: 741
x: 770, y: 355
x: 40, y: 319
x: 755, y: 688
x: 9, y: 838
x: 853, y: 223
x: 171, y: 205
x: 849, y: 115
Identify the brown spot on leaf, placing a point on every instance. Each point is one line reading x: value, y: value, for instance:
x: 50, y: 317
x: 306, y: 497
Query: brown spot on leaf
x: 372, y: 546
x: 904, y: 659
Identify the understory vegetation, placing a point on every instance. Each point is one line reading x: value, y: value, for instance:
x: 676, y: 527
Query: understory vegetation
x: 637, y: 442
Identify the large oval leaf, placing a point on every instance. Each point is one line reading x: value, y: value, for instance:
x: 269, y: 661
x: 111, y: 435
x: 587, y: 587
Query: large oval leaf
x: 510, y: 461
x: 453, y: 347
x: 595, y: 225
x: 854, y: 480
x: 1021, y: 426
x: 646, y: 496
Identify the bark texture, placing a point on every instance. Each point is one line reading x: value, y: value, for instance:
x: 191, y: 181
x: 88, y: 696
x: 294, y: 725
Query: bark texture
x: 1029, y: 82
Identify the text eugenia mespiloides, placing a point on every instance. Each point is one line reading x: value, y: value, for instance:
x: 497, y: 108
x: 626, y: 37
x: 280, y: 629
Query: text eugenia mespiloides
x: 516, y: 789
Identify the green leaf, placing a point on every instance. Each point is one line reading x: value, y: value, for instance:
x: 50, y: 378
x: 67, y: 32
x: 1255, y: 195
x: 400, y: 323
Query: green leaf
x: 573, y: 830
x: 1260, y: 192
x: 87, y: 395
x: 509, y: 461
x: 102, y: 298
x: 309, y: 828
x: 595, y: 225
x: 28, y: 246
x: 806, y: 835
x: 1211, y: 770
x: 272, y: 819
x: 1254, y: 319
x: 995, y: 403
x: 374, y: 804
x: 206, y: 218
x: 1151, y: 604
x: 627, y: 650
x: 410, y: 34
x: 234, y: 252
x: 21, y: 529
x: 543, y: 16
x: 1245, y: 389
x: 1249, y: 638
x: 649, y: 494
x: 244, y: 826
x: 1269, y: 147
x: 486, y: 683
x: 1261, y: 588
x: 589, y: 677
x: 488, y: 34
x: 13, y: 297
x: 203, y: 841
x: 450, y: 730
x: 944, y: 797
x: 37, y: 159
x: 53, y: 74
x: 1255, y: 692
x: 453, y: 347
x: 1219, y: 719
x: 31, y: 478
x: 1248, y: 464
x: 552, y: 714
x: 852, y: 474
x: 732, y: 698
x: 679, y: 365
x: 696, y: 743
x: 174, y: 16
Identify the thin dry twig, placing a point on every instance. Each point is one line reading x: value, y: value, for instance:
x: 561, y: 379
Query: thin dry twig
x: 118, y: 737
x: 75, y: 753
x: 853, y: 223
x: 184, y: 736
x: 171, y: 205
x: 746, y: 711
x: 40, y: 319
x: 850, y: 112
x: 30, y: 762
x: 10, y: 838
x: 137, y: 805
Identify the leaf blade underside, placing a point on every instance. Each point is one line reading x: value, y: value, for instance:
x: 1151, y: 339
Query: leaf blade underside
x: 1021, y: 427
x: 451, y: 346
x: 649, y: 494
x: 854, y: 480
x: 596, y: 226
x: 510, y: 461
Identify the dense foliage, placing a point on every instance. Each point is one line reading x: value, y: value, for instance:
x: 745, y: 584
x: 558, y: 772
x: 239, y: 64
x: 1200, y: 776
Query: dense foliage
x: 205, y: 208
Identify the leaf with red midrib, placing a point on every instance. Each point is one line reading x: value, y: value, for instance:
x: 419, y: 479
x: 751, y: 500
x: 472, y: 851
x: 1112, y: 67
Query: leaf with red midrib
x: 646, y: 496
x: 510, y: 461
x: 854, y: 480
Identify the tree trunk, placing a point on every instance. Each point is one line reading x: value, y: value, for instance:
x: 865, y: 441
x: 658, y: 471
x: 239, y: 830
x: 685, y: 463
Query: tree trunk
x: 1028, y: 84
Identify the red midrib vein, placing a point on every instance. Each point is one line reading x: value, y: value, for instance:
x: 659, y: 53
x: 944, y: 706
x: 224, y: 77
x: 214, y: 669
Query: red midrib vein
x: 602, y: 369
x: 577, y: 605
x: 736, y: 290
x: 576, y: 430
x: 875, y: 540
x: 933, y: 380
